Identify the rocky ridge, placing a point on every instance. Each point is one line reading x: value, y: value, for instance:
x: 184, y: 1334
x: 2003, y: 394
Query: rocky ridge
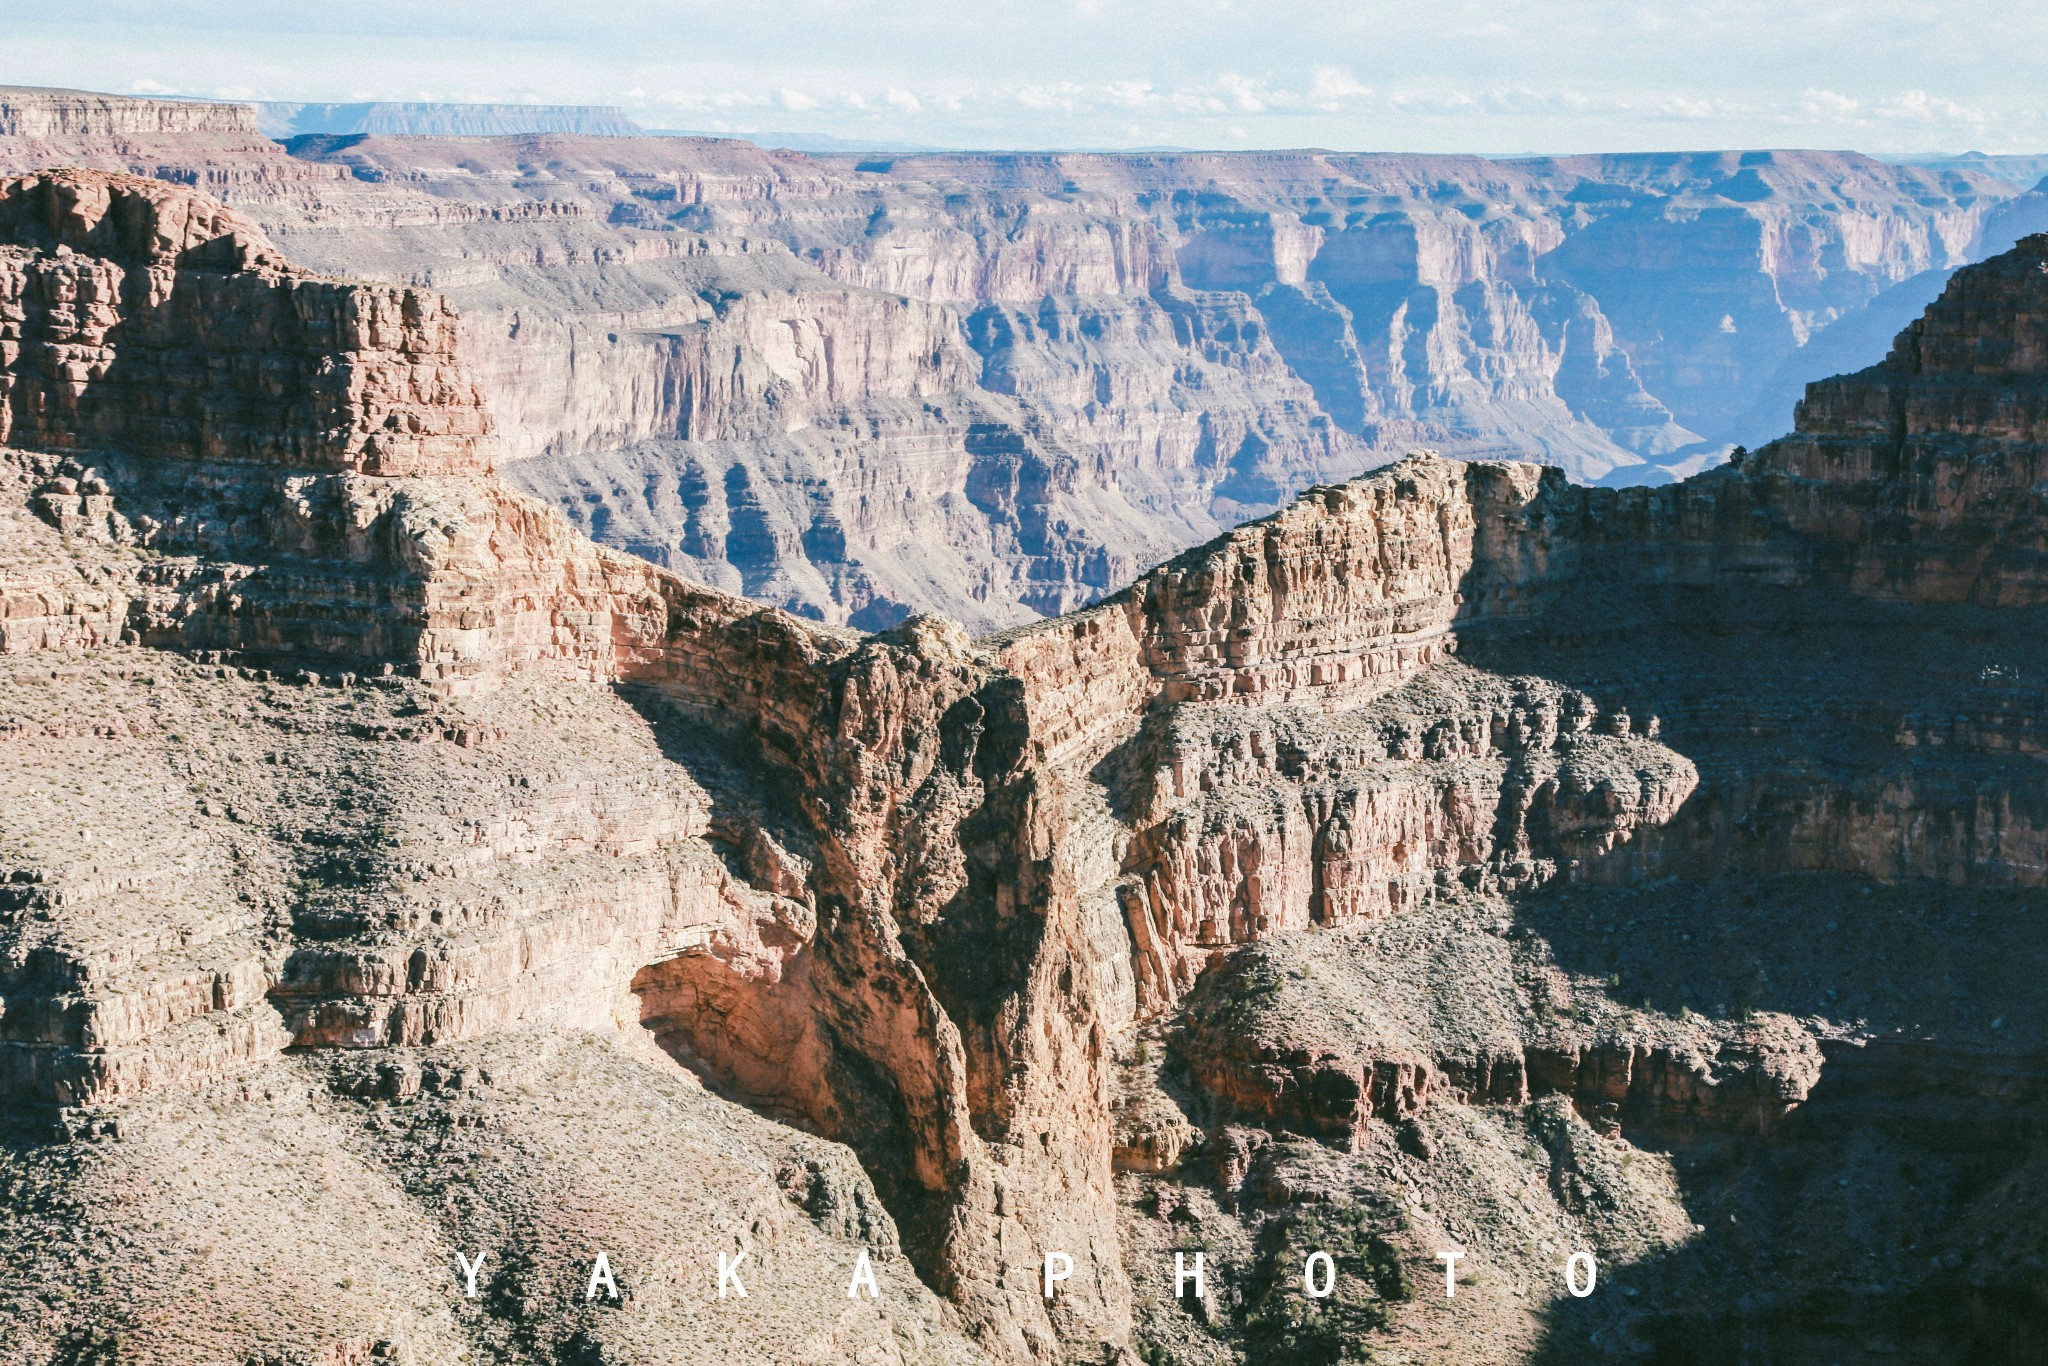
x: 999, y: 387
x: 447, y: 804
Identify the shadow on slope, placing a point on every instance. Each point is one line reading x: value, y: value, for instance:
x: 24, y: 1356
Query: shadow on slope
x: 1863, y: 854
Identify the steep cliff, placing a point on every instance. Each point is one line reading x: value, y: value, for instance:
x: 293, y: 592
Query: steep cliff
x: 1722, y: 832
x: 335, y: 857
x: 147, y: 319
x: 37, y: 112
x: 218, y: 147
x: 1460, y: 857
x: 1189, y: 340
x: 998, y: 387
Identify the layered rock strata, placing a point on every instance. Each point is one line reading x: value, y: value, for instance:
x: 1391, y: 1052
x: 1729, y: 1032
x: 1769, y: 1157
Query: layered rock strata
x: 1251, y: 830
x: 1161, y: 346
x: 1255, y: 1052
x: 146, y: 319
x: 321, y: 739
x: 349, y: 921
x: 999, y: 387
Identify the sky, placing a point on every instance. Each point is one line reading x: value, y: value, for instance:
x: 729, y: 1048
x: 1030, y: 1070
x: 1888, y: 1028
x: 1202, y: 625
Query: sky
x: 1499, y: 78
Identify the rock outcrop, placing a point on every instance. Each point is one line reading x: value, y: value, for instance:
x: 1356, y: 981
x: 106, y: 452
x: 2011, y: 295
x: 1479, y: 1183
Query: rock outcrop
x: 380, y: 846
x: 1000, y: 387
x: 145, y: 319
x: 1249, y: 829
x: 390, y: 557
x: 1923, y: 473
x: 1269, y: 1043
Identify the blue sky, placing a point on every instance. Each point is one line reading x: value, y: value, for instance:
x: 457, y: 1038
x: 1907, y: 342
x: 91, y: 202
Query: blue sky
x: 1497, y: 77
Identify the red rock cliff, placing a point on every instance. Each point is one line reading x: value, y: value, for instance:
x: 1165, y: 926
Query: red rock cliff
x: 145, y: 319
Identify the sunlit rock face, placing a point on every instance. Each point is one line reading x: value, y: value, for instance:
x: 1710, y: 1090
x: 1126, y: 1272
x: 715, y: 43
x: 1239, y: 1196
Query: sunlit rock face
x: 1458, y: 855
x: 998, y: 387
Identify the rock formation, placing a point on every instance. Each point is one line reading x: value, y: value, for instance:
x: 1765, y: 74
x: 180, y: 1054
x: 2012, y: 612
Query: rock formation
x: 999, y: 387
x: 145, y: 319
x: 282, y: 119
x: 390, y: 871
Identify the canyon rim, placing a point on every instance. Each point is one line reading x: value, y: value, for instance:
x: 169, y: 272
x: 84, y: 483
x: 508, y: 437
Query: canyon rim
x: 575, y: 693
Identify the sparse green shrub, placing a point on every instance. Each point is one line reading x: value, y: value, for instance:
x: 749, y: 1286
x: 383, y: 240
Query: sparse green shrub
x: 581, y: 1349
x: 90, y: 1347
x: 1283, y: 1324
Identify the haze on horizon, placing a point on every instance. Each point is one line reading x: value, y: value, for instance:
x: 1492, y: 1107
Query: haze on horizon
x: 1498, y: 77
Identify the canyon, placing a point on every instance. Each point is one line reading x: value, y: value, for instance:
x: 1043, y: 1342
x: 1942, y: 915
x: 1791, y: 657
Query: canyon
x: 998, y: 387
x: 1459, y: 856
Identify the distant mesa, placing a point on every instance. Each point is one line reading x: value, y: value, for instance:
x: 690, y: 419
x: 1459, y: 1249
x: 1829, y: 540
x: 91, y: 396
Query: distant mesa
x: 42, y: 112
x: 2025, y: 169
x: 284, y: 119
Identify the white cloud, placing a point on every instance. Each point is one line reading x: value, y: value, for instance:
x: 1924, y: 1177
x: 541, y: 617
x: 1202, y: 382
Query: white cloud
x: 702, y: 101
x: 1828, y: 104
x: 1331, y: 88
x: 1294, y: 112
x: 1920, y: 107
x: 1244, y: 94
